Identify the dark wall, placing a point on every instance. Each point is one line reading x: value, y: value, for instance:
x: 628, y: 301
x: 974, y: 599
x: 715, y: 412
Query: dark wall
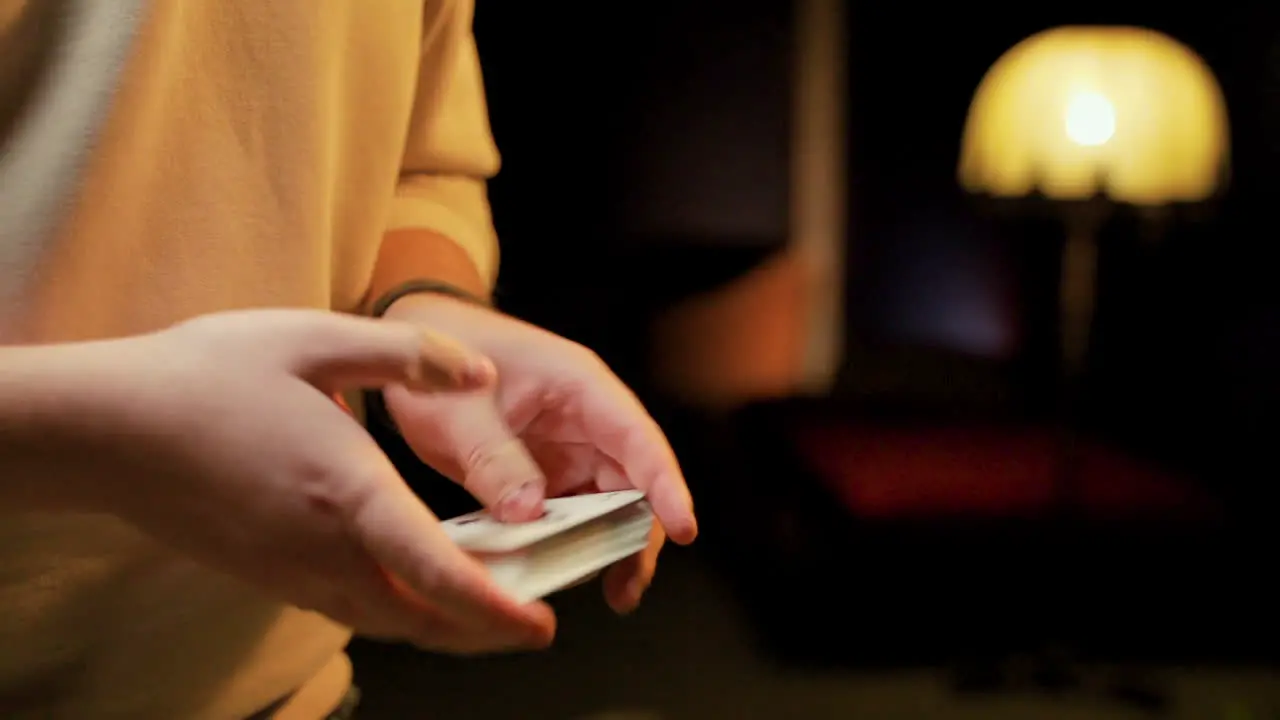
x: 644, y: 159
x: 645, y: 156
x: 1186, y: 336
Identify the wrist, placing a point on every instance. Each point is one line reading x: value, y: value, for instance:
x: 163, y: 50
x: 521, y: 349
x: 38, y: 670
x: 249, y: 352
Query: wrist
x: 412, y: 298
x: 58, y: 406
x: 411, y: 257
x: 428, y: 305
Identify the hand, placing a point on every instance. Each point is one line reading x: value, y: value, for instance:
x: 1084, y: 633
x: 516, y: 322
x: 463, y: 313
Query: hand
x: 234, y: 452
x: 559, y: 423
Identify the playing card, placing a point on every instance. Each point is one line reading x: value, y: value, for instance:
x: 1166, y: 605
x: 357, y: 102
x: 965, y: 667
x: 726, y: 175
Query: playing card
x: 571, y: 556
x: 479, y: 533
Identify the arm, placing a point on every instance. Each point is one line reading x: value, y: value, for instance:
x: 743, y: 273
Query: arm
x: 53, y: 398
x: 440, y: 228
x: 217, y: 438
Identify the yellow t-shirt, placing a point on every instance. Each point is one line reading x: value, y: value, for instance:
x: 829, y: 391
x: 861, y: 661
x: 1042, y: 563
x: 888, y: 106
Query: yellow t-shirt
x: 160, y: 159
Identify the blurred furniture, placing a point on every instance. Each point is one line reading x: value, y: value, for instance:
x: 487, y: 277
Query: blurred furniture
x: 918, y: 522
x: 858, y: 540
x: 744, y: 147
x: 1081, y: 119
x: 928, y: 541
x: 742, y: 341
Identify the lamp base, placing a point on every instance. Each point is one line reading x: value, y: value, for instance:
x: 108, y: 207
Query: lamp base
x: 1077, y: 293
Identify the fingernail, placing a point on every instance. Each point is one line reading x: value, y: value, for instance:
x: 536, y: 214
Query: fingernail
x: 427, y: 376
x: 444, y: 364
x: 538, y: 640
x: 636, y: 588
x: 633, y: 593
x: 479, y: 372
x: 522, y: 503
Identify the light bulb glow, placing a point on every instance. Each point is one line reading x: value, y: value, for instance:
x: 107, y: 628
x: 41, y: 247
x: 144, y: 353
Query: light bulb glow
x: 1091, y: 119
x: 1078, y: 111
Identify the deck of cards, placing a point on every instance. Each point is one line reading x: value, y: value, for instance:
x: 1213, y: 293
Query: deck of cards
x: 576, y: 537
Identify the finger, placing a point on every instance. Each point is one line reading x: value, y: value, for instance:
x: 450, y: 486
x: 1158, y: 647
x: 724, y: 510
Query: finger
x: 437, y: 632
x: 406, y: 540
x: 336, y: 351
x: 571, y: 467
x: 376, y: 607
x: 491, y: 462
x: 433, y: 627
x: 623, y: 430
x: 339, y: 579
x: 364, y: 597
x: 627, y: 580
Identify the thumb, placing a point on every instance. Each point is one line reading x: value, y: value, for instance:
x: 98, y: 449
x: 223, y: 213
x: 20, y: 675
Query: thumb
x: 335, y: 352
x: 492, y: 463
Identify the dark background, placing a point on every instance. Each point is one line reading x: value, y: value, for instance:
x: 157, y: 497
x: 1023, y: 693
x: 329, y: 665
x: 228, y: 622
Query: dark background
x: 1186, y: 335
x: 645, y: 150
x: 646, y: 159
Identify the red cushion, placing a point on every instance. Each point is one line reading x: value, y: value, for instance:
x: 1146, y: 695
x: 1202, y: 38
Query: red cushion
x: 995, y: 472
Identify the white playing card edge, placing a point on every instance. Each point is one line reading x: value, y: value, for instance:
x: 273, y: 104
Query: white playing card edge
x: 559, y: 562
x: 566, y: 549
x: 553, y: 581
x: 617, y: 524
x: 515, y: 537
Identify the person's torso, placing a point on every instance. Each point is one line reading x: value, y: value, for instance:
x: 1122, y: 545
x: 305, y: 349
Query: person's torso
x: 159, y: 160
x: 173, y: 157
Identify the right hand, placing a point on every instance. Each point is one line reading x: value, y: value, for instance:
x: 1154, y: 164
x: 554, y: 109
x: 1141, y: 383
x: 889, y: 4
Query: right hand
x: 233, y: 451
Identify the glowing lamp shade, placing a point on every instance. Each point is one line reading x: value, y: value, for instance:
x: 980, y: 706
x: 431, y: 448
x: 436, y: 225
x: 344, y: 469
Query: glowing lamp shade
x: 1079, y: 111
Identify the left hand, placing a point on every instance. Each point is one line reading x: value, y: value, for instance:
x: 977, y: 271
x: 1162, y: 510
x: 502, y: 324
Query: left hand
x: 560, y: 423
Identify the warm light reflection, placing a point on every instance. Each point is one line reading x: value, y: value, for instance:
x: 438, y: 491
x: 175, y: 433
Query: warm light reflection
x: 1091, y: 119
x: 1077, y: 110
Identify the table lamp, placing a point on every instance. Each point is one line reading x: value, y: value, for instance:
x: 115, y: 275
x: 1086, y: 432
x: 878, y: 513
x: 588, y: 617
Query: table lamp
x: 1086, y: 116
x: 1084, y: 119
